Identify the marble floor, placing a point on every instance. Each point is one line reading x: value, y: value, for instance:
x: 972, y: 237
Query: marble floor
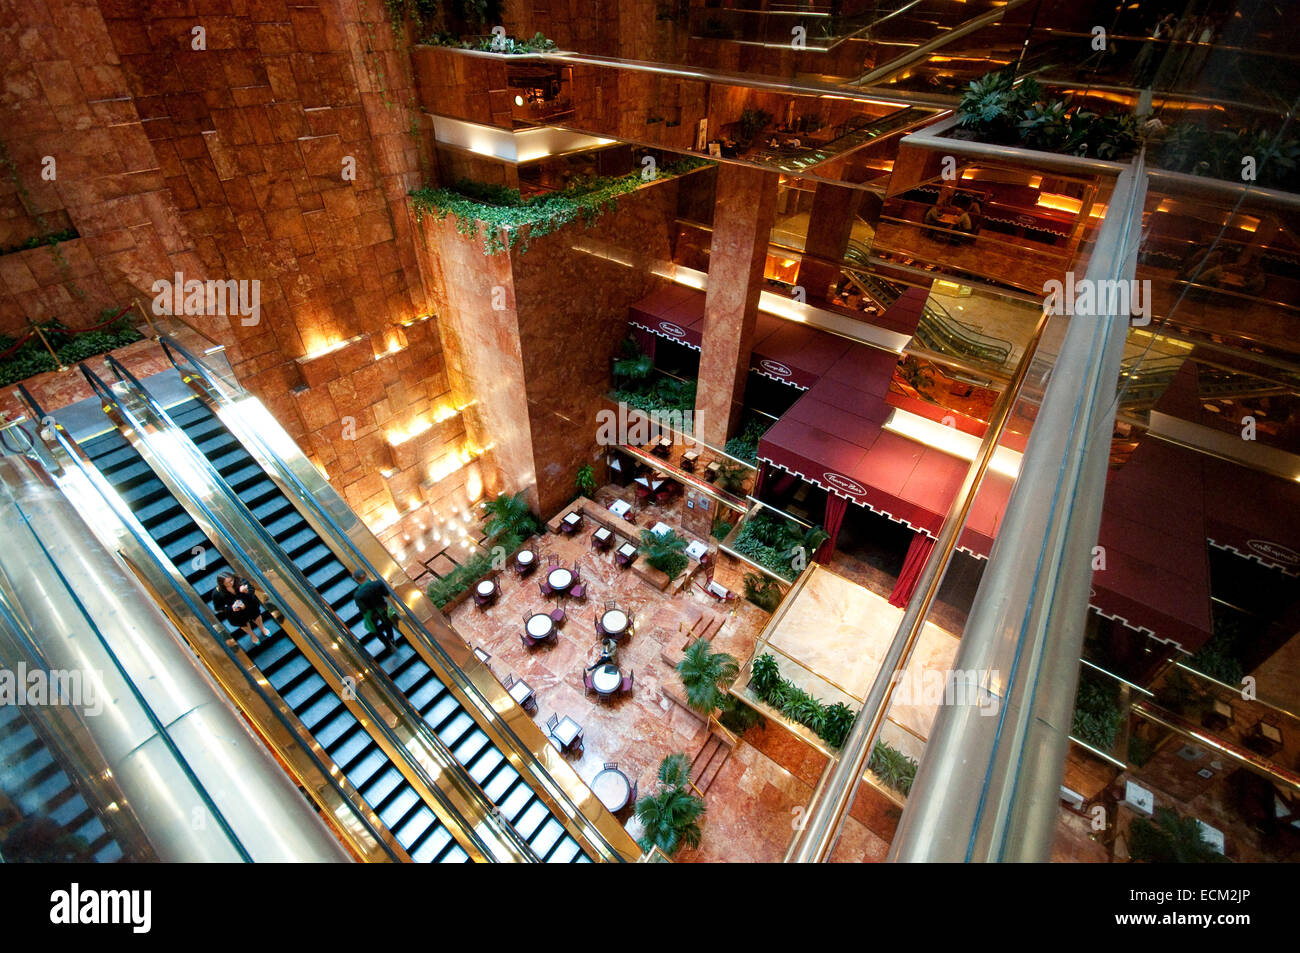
x: 838, y: 632
x: 751, y: 804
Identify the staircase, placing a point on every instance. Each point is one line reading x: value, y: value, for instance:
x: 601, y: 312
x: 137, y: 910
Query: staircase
x: 708, y: 761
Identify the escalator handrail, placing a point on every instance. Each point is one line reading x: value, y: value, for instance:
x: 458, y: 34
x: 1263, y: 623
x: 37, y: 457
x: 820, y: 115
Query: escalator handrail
x: 173, y: 347
x: 201, y: 611
x: 159, y: 727
x: 307, y: 593
x: 304, y: 590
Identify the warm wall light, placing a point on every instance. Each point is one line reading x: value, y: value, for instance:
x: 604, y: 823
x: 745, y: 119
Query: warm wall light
x: 328, y: 348
x: 950, y: 440
x: 1061, y: 203
x: 398, y: 436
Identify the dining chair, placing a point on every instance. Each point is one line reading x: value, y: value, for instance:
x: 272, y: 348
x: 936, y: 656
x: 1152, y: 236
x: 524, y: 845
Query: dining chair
x: 611, y: 765
x: 627, y: 683
x: 588, y: 684
x: 552, y: 559
x: 578, y: 591
x: 552, y: 723
x: 545, y: 586
x: 631, y: 798
x: 558, y: 616
x: 610, y: 605
x: 528, y: 640
x: 509, y: 682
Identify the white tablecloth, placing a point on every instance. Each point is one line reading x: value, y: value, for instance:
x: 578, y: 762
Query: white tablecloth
x: 606, y: 678
x: 485, y: 587
x: 620, y: 507
x: 614, y: 621
x: 696, y: 549
x: 539, y: 626
x: 560, y: 578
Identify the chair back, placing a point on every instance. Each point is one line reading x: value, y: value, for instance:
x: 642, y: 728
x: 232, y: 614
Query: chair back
x: 553, y: 722
x: 552, y: 559
x: 545, y: 587
x: 611, y: 765
x: 627, y: 682
x: 510, y: 680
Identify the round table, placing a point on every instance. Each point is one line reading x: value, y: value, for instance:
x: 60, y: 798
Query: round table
x: 525, y: 557
x: 559, y: 579
x: 539, y: 626
x: 607, y: 679
x: 614, y: 621
x: 612, y: 788
x: 486, y: 587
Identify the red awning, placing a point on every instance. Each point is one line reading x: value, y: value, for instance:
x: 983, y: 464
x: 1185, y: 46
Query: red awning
x: 1157, y: 570
x: 832, y: 437
x: 1253, y: 514
x: 793, y: 353
x: 674, y: 312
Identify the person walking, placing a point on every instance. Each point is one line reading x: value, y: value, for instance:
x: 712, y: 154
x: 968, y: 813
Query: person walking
x: 235, y: 602
x: 371, y: 597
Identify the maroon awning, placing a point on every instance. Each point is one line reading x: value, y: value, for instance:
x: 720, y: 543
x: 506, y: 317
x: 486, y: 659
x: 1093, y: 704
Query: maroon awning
x: 793, y: 353
x: 675, y: 312
x: 1157, y: 570
x: 832, y: 437
x: 1253, y: 514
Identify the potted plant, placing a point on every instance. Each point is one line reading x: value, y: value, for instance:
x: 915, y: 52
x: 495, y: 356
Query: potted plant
x: 671, y: 815
x: 764, y: 675
x: 585, y: 481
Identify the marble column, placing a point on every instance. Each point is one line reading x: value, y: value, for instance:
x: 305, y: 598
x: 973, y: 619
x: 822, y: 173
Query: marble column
x: 742, y: 225
x: 830, y: 225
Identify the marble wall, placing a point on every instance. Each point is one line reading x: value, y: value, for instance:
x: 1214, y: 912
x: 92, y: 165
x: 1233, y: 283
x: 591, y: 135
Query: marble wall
x: 531, y: 334
x: 275, y: 145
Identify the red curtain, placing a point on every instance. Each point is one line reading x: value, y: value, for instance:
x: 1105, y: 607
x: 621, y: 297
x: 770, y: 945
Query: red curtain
x: 917, y: 555
x: 835, y: 508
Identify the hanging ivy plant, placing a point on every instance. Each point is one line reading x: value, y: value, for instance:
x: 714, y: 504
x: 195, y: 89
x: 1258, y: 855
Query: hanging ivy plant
x: 507, y: 220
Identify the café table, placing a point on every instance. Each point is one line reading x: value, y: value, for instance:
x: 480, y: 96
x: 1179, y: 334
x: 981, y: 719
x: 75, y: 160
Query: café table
x: 525, y: 558
x: 601, y: 534
x: 486, y: 587
x: 651, y: 485
x: 627, y: 550
x: 696, y: 550
x: 620, y: 508
x: 660, y: 528
x: 559, y: 579
x: 539, y: 626
x: 521, y: 692
x: 573, y: 519
x: 566, y: 732
x: 614, y: 622
x: 612, y: 789
x: 607, y: 679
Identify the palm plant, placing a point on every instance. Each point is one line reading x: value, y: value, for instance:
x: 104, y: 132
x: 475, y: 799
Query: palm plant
x: 1170, y: 839
x: 704, y: 672
x: 508, y: 515
x: 671, y: 815
x: 664, y: 551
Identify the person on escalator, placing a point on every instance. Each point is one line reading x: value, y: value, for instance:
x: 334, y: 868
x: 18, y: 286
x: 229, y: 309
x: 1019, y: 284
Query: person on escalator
x: 237, y: 603
x: 371, y: 597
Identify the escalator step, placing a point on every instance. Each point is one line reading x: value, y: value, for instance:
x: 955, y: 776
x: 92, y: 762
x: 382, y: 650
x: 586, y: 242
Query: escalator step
x: 516, y: 803
x: 566, y: 852
x: 545, y: 840
x: 531, y: 821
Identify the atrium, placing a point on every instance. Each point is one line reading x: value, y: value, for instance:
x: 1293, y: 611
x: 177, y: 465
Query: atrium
x: 648, y: 431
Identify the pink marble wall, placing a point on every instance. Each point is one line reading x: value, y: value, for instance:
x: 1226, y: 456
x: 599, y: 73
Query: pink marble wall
x: 742, y: 222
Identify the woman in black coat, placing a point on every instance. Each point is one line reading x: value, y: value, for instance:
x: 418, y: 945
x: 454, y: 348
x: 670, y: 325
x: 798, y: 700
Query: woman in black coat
x: 236, y: 603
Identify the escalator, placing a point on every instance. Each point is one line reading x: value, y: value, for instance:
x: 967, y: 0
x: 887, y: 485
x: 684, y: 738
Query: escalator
x: 300, y: 544
x: 366, y: 766
x: 43, y: 815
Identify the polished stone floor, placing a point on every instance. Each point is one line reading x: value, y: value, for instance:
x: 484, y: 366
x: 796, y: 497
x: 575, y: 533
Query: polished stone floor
x: 751, y: 804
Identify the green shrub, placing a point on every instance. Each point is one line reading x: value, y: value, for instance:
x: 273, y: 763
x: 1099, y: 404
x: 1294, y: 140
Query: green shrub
x: 830, y: 722
x: 32, y: 358
x: 771, y: 542
x: 442, y: 591
x: 509, y: 515
x: 761, y: 591
x: 1096, y: 710
x: 744, y: 446
x: 721, y: 530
